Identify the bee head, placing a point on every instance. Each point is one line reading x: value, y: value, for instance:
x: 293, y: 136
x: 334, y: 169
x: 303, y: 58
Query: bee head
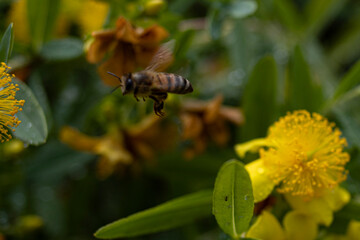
x: 127, y: 84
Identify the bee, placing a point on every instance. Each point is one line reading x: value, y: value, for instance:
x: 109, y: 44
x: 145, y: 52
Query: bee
x: 153, y: 83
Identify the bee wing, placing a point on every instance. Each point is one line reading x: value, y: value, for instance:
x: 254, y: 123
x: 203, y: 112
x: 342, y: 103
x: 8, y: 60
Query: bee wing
x: 162, y: 58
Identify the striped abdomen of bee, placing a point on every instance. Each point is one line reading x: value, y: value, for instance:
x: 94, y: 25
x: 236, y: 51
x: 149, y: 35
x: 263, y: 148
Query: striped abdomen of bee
x: 150, y: 82
x: 171, y: 83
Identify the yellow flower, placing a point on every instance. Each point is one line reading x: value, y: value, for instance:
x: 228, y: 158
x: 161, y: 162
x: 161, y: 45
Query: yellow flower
x: 9, y: 106
x: 89, y: 15
x: 302, y: 155
x: 18, y: 16
x: 297, y: 226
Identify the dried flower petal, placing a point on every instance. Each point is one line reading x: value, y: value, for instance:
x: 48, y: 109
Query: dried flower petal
x: 129, y: 48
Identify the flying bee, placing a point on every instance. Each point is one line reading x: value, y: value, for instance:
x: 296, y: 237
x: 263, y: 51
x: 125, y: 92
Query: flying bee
x: 153, y: 83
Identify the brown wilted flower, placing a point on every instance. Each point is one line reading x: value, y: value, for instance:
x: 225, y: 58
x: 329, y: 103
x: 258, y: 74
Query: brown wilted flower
x: 122, y: 147
x: 129, y: 48
x: 203, y: 121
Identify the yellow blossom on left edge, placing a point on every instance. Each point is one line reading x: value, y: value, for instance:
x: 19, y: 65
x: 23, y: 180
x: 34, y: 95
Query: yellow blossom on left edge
x: 9, y: 106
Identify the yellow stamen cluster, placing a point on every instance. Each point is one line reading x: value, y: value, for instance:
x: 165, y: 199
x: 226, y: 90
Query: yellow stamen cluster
x: 9, y: 106
x: 306, y: 154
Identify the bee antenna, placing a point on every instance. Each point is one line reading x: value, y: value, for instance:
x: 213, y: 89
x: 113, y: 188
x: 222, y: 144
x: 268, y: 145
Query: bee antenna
x: 116, y: 88
x: 114, y: 75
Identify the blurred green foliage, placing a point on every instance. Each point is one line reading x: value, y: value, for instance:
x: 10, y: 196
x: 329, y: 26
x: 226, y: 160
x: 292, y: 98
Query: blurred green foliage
x: 265, y: 57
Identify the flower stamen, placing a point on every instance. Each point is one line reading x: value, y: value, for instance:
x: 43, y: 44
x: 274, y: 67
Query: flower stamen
x: 306, y: 154
x: 9, y: 106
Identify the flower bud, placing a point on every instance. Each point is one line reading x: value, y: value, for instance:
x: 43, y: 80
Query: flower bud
x: 13, y: 147
x: 29, y: 223
x: 153, y: 7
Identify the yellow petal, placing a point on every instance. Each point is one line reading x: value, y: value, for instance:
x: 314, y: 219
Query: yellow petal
x: 77, y: 140
x: 266, y: 227
x: 318, y: 208
x: 261, y: 184
x: 353, y: 231
x: 337, y: 198
x: 335, y: 237
x: 299, y: 226
x: 250, y: 146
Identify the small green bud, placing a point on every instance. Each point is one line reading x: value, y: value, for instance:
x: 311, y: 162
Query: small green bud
x: 153, y: 7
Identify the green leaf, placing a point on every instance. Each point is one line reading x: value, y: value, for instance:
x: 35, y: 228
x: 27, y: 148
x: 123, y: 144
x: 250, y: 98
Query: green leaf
x: 216, y: 19
x: 183, y: 43
x: 42, y: 16
x: 53, y: 162
x: 350, y: 211
x: 259, y: 100
x: 321, y: 12
x: 351, y: 79
x: 35, y: 82
x: 6, y: 44
x: 348, y: 114
x: 242, y: 9
x: 33, y: 128
x: 345, y: 47
x: 171, y: 214
x: 62, y: 49
x: 287, y: 12
x: 346, y: 110
x: 301, y: 92
x: 233, y: 200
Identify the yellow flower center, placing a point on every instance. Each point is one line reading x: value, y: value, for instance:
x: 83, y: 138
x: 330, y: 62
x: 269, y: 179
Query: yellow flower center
x: 306, y: 154
x: 9, y: 106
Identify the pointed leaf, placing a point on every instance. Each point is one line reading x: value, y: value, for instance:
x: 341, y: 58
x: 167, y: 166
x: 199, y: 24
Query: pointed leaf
x: 174, y: 213
x: 350, y: 211
x: 33, y: 127
x: 346, y: 110
x: 216, y: 21
x: 35, y: 82
x: 6, y: 44
x: 351, y: 79
x: 233, y: 201
x: 259, y: 101
x: 287, y: 12
x: 62, y: 49
x: 349, y: 121
x: 301, y: 92
x: 321, y: 12
x: 42, y: 16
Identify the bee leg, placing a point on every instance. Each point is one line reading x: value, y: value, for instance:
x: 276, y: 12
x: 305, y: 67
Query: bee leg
x: 155, y: 99
x: 161, y: 107
x: 144, y: 99
x: 158, y: 106
x: 135, y: 92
